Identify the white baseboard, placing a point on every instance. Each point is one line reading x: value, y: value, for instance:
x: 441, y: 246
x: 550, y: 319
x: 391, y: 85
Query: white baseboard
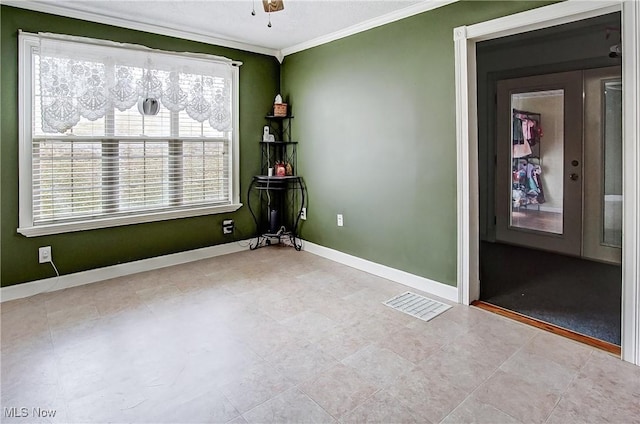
x: 420, y: 283
x: 23, y: 290
x: 19, y: 291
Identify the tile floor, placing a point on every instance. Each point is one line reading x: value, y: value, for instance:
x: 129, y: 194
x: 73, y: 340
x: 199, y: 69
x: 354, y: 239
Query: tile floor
x: 282, y: 336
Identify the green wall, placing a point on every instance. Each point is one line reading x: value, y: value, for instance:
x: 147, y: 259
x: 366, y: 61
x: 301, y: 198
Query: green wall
x: 73, y: 252
x: 375, y: 117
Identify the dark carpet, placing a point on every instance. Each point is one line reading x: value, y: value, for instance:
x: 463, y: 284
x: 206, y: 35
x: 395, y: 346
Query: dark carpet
x: 573, y: 293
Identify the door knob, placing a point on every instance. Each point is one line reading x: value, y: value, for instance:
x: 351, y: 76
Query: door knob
x: 573, y: 176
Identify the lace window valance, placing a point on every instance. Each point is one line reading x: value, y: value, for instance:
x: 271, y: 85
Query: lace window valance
x: 83, y: 78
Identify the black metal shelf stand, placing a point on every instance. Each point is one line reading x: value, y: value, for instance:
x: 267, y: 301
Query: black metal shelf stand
x: 276, y: 202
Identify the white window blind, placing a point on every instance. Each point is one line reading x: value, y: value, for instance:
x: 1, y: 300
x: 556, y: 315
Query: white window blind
x: 94, y: 160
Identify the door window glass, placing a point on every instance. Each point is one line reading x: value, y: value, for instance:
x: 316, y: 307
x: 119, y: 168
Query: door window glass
x: 612, y: 214
x: 537, y: 160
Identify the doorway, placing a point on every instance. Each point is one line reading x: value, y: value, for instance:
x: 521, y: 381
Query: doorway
x: 535, y: 185
x: 468, y: 110
x: 552, y: 180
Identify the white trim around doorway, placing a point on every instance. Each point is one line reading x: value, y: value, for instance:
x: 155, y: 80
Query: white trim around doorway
x: 465, y: 39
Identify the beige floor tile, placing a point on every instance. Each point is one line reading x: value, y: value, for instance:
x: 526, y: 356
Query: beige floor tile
x: 292, y: 406
x: 441, y: 329
x: 381, y: 366
x: 505, y: 332
x: 238, y: 420
x: 472, y: 411
x: 338, y: 390
x: 429, y: 397
x: 371, y: 298
x: 477, y: 347
x: 611, y: 372
x: 342, y: 343
x: 113, y: 299
x: 301, y: 364
x: 411, y: 344
x: 255, y: 386
x: 593, y: 401
x: 374, y: 328
x: 316, y: 298
x: 273, y: 303
x: 69, y: 298
x: 161, y: 296
x: 209, y: 340
x: 343, y: 311
x: 72, y: 316
x: 465, y: 374
x: 383, y: 408
x: 272, y: 339
x: 466, y: 316
x: 539, y: 371
x: 23, y: 323
x: 340, y: 286
x: 517, y: 397
x: 191, y: 407
x: 311, y: 325
x: 560, y: 350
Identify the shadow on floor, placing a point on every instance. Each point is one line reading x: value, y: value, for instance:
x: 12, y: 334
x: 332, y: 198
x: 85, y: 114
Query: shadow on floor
x: 573, y: 293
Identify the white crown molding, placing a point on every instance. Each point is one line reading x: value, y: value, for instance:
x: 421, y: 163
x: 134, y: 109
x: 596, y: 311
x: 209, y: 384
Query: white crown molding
x: 155, y: 28
x: 426, y: 285
x: 397, y: 15
x: 162, y: 29
x: 19, y: 291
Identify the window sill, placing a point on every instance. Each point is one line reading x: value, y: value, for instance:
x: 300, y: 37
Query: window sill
x: 68, y: 227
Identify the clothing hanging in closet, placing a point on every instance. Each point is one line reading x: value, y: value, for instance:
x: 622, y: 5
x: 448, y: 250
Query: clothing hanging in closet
x: 527, y: 184
x: 526, y: 132
x: 526, y: 178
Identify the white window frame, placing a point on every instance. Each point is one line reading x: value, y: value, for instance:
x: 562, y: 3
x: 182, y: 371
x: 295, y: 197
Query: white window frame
x: 27, y: 48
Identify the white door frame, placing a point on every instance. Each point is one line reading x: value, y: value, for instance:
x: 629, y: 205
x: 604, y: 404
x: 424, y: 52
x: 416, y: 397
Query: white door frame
x: 465, y: 39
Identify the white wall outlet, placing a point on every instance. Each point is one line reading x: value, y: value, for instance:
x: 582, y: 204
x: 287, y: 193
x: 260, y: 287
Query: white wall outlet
x: 44, y: 254
x: 227, y: 226
x: 340, y: 220
x: 303, y: 214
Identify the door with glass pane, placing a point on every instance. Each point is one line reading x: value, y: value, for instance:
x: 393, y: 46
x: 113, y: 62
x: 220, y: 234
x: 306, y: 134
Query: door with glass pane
x: 602, y: 235
x: 539, y: 162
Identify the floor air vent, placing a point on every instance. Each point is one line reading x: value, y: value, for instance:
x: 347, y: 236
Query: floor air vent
x: 418, y: 306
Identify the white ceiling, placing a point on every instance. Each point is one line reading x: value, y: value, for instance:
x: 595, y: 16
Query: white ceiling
x: 302, y: 23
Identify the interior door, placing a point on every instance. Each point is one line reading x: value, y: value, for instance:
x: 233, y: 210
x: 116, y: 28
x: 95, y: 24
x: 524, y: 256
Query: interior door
x: 602, y: 235
x: 539, y: 162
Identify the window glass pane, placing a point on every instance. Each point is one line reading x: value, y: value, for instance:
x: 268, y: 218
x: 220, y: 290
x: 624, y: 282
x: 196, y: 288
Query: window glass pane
x: 191, y: 128
x: 204, y: 171
x: 612, y: 225
x: 66, y: 179
x: 128, y: 123
x: 143, y: 174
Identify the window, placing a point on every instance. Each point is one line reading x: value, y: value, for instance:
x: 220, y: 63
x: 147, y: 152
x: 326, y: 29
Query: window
x: 92, y: 152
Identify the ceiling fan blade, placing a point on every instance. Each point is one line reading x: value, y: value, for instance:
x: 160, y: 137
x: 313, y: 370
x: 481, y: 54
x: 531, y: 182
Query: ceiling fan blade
x: 272, y: 5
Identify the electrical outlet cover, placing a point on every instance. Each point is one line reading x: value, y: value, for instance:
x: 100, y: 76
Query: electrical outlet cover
x: 44, y: 254
x: 227, y: 226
